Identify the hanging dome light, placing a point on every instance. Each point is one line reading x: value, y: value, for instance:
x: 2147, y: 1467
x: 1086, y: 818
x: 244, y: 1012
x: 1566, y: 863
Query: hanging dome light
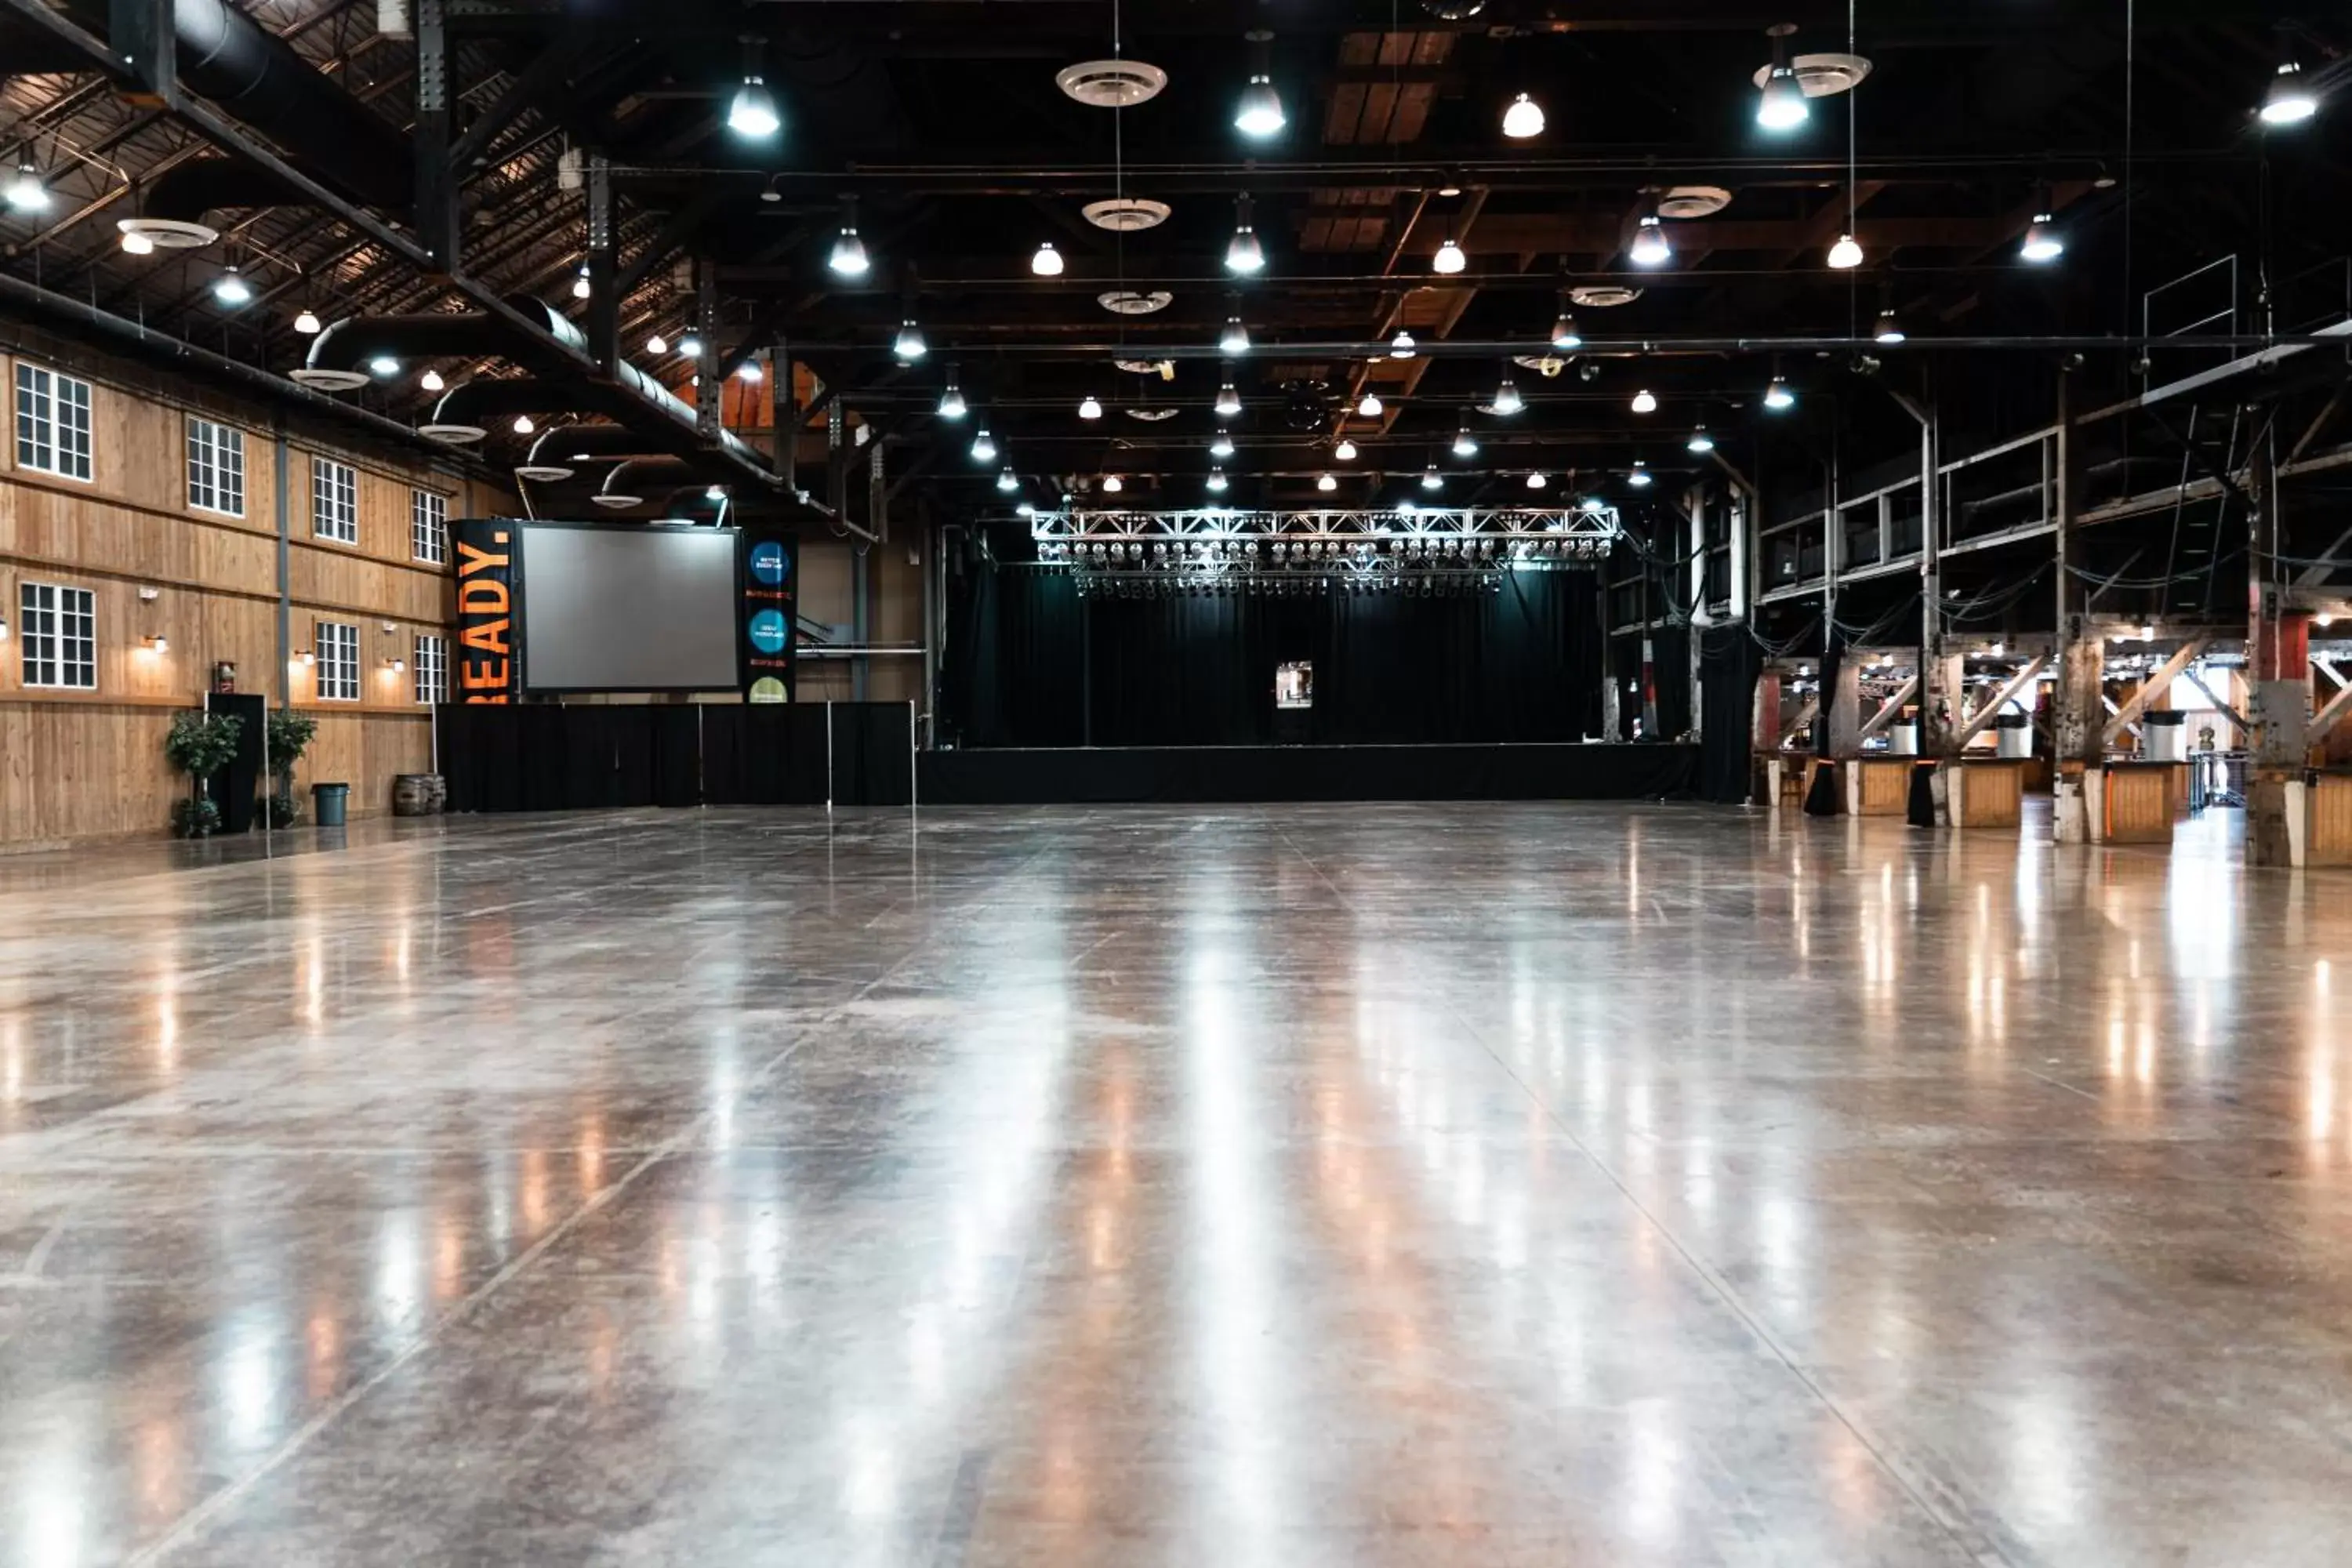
x: 1025, y: 509
x: 1345, y: 451
x: 1536, y: 481
x: 1401, y: 345
x: 524, y: 426
x: 1846, y: 254
x: 1565, y: 338
x: 27, y: 193
x: 1449, y: 258
x: 1243, y: 255
x: 2042, y: 243
x: 849, y: 258
x: 306, y: 321
x: 2288, y: 100
x: 748, y: 371
x: 1645, y: 402
x: 752, y: 114
x: 1700, y: 441
x: 1260, y: 112
x: 1781, y: 106
x: 1047, y: 262
x: 1431, y: 479
x: 1640, y: 478
x: 1234, y: 339
x: 1464, y: 444
x: 1370, y: 405
x: 909, y: 345
x: 1113, y: 484
x: 134, y: 242
x: 1006, y: 482
x: 579, y: 285
x: 1229, y: 402
x: 1523, y: 119
x: 1507, y: 400
x: 231, y: 288
x: 951, y: 403
x: 431, y: 381
x: 690, y: 346
x: 1325, y: 483
x: 1090, y: 407
x: 1650, y: 246
x: 1221, y: 446
x: 984, y: 447
x: 657, y: 344
x: 1889, y: 329
x: 384, y: 365
x: 1777, y: 395
x: 1217, y: 480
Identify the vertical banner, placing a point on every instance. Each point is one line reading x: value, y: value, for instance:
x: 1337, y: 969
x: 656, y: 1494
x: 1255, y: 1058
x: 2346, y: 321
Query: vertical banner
x: 486, y: 668
x: 772, y: 589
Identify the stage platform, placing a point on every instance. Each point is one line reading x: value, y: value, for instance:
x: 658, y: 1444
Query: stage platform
x: 1178, y: 775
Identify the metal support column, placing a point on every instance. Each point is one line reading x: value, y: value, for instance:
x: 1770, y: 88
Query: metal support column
x: 604, y: 296
x: 709, y: 394
x: 2079, y: 717
x: 438, y: 176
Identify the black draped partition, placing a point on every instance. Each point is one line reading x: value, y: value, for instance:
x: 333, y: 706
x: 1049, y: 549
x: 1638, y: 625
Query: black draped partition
x: 1031, y: 663
x: 1730, y: 662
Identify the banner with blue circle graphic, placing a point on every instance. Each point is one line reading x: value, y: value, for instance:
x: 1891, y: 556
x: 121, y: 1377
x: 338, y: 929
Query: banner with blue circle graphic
x: 772, y: 579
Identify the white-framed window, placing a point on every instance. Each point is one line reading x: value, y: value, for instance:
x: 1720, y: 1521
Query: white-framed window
x: 52, y: 422
x: 428, y: 527
x: 58, y: 627
x: 335, y: 501
x: 215, y: 467
x: 430, y: 667
x: 338, y: 661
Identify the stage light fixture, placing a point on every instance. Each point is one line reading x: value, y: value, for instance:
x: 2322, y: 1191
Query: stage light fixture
x: 1651, y: 247
x: 1846, y: 254
x: 1781, y: 106
x: 909, y: 345
x: 1464, y: 444
x: 1645, y: 402
x: 1229, y: 402
x: 1401, y: 345
x: 1640, y: 478
x: 1777, y: 395
x: 1217, y: 480
x: 306, y: 321
x: 384, y: 365
x: 1565, y: 338
x: 1234, y: 339
x: 1006, y: 482
x: 431, y: 381
x: 2042, y: 244
x: 1345, y: 451
x: 27, y: 193
x: 1243, y: 255
x: 1090, y: 407
x: 849, y: 258
x: 1047, y: 262
x: 1524, y: 118
x: 2288, y: 100
x: 579, y: 286
x: 1449, y: 258
x: 1370, y: 405
x: 951, y: 402
x: 1700, y: 441
x: 1223, y: 445
x: 1325, y: 483
x: 984, y: 447
x: 523, y: 425
x: 1507, y: 400
x: 1889, y: 329
x: 752, y: 114
x: 1431, y: 479
x: 231, y: 288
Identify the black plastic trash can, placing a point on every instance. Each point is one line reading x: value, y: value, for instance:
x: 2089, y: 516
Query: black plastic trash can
x: 327, y: 801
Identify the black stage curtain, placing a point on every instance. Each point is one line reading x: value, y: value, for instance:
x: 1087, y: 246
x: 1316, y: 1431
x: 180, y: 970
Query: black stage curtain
x: 1009, y: 776
x: 1730, y: 662
x: 1032, y: 664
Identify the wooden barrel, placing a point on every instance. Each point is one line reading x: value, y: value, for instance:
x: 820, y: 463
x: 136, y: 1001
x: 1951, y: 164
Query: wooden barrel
x: 416, y: 794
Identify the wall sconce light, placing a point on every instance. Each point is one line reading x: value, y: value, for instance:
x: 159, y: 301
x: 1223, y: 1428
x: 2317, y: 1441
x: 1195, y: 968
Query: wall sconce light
x: 4, y: 628
x: 390, y: 628
x: 148, y: 595
x: 307, y: 656
x: 158, y: 645
x: 397, y: 665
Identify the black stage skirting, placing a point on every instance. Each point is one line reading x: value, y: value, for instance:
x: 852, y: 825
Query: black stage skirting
x: 1102, y: 775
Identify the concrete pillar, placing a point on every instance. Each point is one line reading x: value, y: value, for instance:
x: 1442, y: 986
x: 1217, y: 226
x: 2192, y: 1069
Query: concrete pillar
x: 2278, y: 676
x: 2078, y: 816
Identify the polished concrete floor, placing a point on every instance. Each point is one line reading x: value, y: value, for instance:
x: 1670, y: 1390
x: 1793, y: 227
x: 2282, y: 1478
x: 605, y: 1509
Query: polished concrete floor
x: 1273, y: 1188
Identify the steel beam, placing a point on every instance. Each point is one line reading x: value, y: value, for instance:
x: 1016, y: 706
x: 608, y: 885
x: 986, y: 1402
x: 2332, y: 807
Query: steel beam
x: 2008, y: 694
x: 2157, y: 682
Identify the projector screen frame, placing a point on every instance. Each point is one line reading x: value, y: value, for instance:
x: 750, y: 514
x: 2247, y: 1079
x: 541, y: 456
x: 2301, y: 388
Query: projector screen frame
x: 528, y: 688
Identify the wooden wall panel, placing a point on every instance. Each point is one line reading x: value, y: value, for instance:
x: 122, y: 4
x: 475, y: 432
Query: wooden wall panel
x: 83, y: 770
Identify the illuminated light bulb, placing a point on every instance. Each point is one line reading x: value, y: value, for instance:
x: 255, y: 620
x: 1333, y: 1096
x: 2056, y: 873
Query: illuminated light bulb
x: 849, y: 258
x: 137, y: 244
x: 1507, y: 400
x: 580, y: 287
x: 1781, y: 106
x: 984, y: 447
x: 27, y: 193
x: 1006, y: 482
x: 714, y: 492
x: 1700, y: 441
x: 1325, y: 483
x: 1536, y: 481
x: 1889, y: 329
x: 1846, y: 254
x: 1243, y: 254
x: 1259, y: 113
x: 1025, y: 509
x: 383, y: 364
x: 524, y: 426
x: 1400, y: 346
x: 1645, y: 402
x: 1223, y: 447
x: 1234, y: 339
x: 1778, y: 397
x: 657, y: 344
x: 1113, y: 484
x: 1430, y: 478
x: 1217, y: 480
x: 1523, y: 119
x: 909, y: 345
x: 1368, y: 406
x: 307, y: 322
x: 1449, y: 258
x: 231, y: 288
x: 1229, y: 402
x: 2288, y: 100
x: 1089, y: 407
x: 431, y: 381
x: 1640, y: 478
x: 748, y: 371
x: 752, y: 115
x: 951, y: 402
x: 1464, y: 444
x: 1564, y: 335
x: 1651, y: 247
x: 1345, y: 451
x: 1047, y: 262
x: 2042, y: 244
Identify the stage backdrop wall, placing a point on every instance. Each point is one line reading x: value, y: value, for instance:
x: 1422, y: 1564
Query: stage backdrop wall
x: 1031, y: 663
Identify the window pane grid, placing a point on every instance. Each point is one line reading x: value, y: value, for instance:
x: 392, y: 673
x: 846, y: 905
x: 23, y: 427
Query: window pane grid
x: 52, y: 422
x: 428, y: 526
x: 215, y: 467
x: 432, y: 669
x: 339, y: 662
x: 335, y: 501
x: 60, y: 635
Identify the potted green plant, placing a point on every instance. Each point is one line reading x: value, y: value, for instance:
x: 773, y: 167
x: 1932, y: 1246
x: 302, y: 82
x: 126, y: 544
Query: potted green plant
x: 289, y: 735
x: 199, y: 744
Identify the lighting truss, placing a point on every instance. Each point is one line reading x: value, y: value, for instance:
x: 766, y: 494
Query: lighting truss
x: 1227, y: 549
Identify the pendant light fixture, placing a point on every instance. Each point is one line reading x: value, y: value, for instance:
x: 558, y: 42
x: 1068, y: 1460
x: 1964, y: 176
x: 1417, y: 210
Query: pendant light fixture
x: 1245, y: 256
x: 657, y: 344
x: 134, y: 242
x: 2288, y: 100
x: 951, y: 403
x: 1782, y: 106
x: 1700, y: 442
x: 1507, y: 400
x: 1565, y: 338
x: 1006, y: 482
x: 1536, y: 481
x: 1370, y: 405
x: 1090, y: 407
x: 1430, y: 479
x: 1113, y: 484
x: 984, y: 447
x: 2043, y: 243
x: 690, y: 346
x: 1025, y: 509
x: 1221, y: 445
x: 1259, y: 114
x: 909, y: 345
x: 306, y: 321
x: 1777, y: 395
x: 1047, y: 262
x: 1234, y: 339
x: 1325, y: 483
x: 431, y: 381
x: 1449, y: 258
x: 523, y: 425
x: 1217, y: 480
x: 1401, y: 345
x: 1523, y: 119
x: 1345, y: 451
x: 1640, y: 478
x: 231, y: 288
x: 1650, y: 248
x: 1889, y: 329
x: 750, y: 371
x: 849, y: 258
x: 1464, y: 444
x: 27, y: 193
x: 384, y: 365
x: 1645, y: 402
x: 1846, y: 254
x: 1229, y: 402
x: 752, y: 113
x: 580, y: 288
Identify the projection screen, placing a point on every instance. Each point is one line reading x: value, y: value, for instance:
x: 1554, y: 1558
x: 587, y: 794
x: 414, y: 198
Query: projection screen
x: 635, y: 608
